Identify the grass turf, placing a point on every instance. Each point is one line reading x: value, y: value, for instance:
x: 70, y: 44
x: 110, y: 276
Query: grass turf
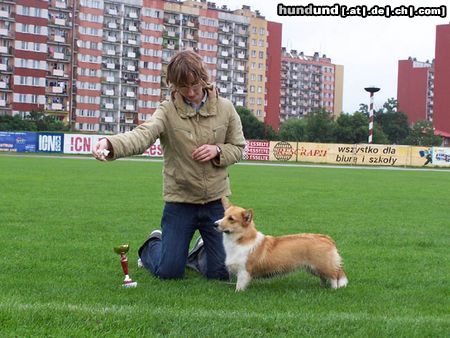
x: 60, y: 218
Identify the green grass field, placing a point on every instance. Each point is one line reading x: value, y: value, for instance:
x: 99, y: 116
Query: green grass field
x: 60, y: 218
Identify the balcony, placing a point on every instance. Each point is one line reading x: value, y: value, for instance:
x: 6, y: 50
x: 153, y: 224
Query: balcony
x: 60, y: 4
x: 223, y: 90
x: 240, y: 79
x: 224, y: 53
x: 241, y: 55
x: 108, y: 119
x: 112, y: 25
x: 131, y: 68
x: 60, y: 21
x: 225, y: 41
x: 110, y: 66
x: 225, y: 29
x: 58, y: 72
x: 130, y: 94
x: 132, y: 42
x: 4, y: 14
x: 109, y: 92
x: 110, y: 79
x: 109, y: 105
x: 111, y: 52
x: 129, y: 107
x: 2, y: 103
x: 132, y: 28
x: 59, y: 38
x: 3, y: 66
x: 133, y: 15
x: 3, y: 50
x: 224, y: 66
x: 56, y: 106
x: 112, y: 11
x: 111, y: 38
x: 241, y: 44
x: 224, y: 78
x: 240, y: 68
x: 57, y: 90
x: 2, y: 85
x: 3, y: 31
x: 131, y: 54
x: 58, y: 55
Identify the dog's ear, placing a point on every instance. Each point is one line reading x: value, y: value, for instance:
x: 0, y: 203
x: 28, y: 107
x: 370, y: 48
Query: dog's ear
x: 225, y: 202
x: 247, y: 216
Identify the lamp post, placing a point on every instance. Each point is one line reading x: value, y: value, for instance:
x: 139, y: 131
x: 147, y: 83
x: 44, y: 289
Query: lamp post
x: 371, y: 90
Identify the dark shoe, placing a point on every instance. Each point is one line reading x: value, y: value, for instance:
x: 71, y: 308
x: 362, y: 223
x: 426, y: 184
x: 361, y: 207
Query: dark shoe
x: 155, y: 234
x: 192, y: 261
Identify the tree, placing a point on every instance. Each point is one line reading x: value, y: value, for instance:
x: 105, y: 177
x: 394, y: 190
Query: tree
x: 293, y: 130
x: 253, y: 128
x: 352, y: 128
x: 422, y: 134
x: 36, y: 121
x: 394, y: 123
x: 320, y: 127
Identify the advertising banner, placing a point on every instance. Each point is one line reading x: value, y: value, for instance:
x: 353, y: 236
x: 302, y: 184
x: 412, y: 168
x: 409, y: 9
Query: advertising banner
x: 441, y: 156
x: 358, y: 154
x: 83, y: 144
x: 283, y: 151
x: 257, y: 150
x: 18, y: 142
x: 50, y: 142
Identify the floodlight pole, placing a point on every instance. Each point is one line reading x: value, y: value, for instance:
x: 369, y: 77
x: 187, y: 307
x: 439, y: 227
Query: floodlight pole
x: 371, y: 90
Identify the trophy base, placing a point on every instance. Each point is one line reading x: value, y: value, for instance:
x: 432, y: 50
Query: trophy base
x: 129, y: 284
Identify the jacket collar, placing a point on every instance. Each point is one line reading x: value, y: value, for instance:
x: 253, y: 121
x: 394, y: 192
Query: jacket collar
x: 187, y: 111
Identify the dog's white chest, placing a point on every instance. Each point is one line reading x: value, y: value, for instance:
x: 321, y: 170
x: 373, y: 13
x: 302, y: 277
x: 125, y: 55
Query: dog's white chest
x: 237, y: 254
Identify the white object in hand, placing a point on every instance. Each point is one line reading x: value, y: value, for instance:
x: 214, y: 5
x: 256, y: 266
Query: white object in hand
x: 104, y: 152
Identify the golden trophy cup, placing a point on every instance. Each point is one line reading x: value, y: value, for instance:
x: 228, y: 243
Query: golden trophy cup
x: 122, y: 250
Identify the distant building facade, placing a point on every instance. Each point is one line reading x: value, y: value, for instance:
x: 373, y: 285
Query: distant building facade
x: 415, y: 89
x: 309, y: 83
x: 100, y: 65
x: 441, y: 119
x: 423, y: 88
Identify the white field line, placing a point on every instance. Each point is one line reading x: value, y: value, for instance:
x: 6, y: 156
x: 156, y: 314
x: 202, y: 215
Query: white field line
x: 211, y: 313
x: 271, y: 164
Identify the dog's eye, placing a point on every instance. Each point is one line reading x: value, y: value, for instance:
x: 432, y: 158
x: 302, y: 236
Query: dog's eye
x: 230, y: 218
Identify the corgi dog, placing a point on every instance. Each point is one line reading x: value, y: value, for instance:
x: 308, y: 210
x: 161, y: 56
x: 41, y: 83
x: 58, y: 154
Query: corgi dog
x: 251, y: 254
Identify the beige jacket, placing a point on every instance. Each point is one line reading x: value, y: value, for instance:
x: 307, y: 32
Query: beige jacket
x: 180, y: 130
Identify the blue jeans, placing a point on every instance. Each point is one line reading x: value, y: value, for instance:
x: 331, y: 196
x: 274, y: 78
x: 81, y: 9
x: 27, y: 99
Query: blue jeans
x: 166, y: 258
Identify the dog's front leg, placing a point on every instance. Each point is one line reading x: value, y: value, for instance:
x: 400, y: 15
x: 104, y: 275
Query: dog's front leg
x: 243, y: 278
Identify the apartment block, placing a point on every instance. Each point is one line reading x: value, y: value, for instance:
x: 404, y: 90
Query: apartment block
x: 441, y: 114
x: 309, y: 83
x: 415, y: 92
x: 100, y: 65
x: 423, y: 88
x: 35, y: 57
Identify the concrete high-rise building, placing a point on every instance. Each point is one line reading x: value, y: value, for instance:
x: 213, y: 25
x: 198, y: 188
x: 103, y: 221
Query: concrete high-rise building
x: 100, y: 65
x: 441, y: 114
x: 423, y: 88
x: 309, y: 83
x: 36, y: 57
x: 415, y: 83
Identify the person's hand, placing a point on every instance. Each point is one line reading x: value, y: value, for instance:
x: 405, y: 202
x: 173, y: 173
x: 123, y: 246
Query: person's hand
x: 101, y: 149
x: 205, y: 153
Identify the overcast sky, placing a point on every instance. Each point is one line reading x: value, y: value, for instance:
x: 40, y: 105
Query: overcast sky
x: 368, y: 48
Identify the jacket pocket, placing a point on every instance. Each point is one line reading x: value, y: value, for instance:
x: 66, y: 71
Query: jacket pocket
x: 184, y: 133
x: 219, y: 133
